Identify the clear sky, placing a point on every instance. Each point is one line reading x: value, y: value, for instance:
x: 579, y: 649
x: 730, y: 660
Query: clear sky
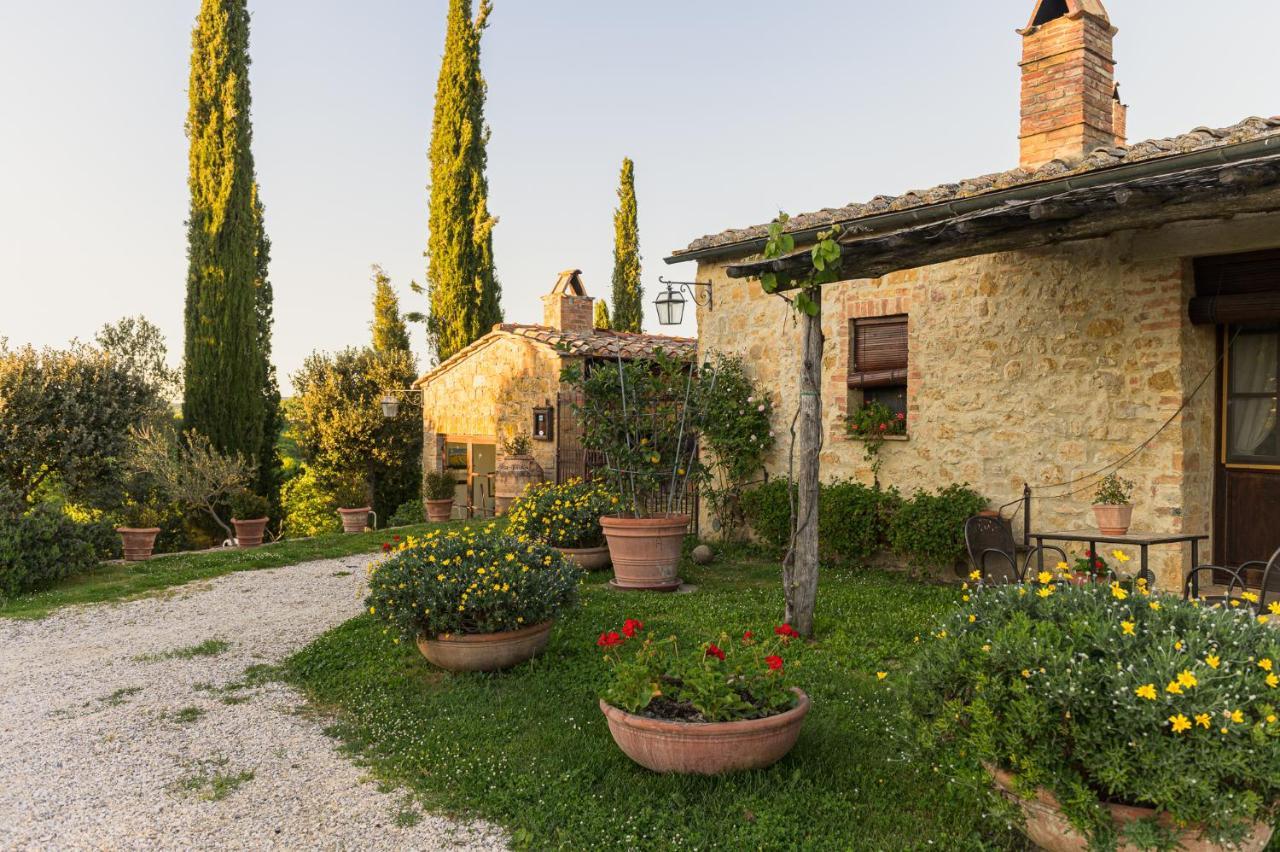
x: 732, y: 110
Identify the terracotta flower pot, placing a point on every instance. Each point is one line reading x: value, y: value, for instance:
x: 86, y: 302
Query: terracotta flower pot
x: 439, y: 510
x: 138, y: 542
x: 249, y: 533
x: 1113, y: 520
x: 485, y: 652
x: 354, y: 520
x: 706, y: 748
x: 513, y: 476
x: 645, y: 551
x: 588, y: 558
x: 1048, y: 828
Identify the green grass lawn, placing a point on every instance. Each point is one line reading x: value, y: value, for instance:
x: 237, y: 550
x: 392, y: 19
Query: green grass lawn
x: 122, y: 581
x: 528, y: 749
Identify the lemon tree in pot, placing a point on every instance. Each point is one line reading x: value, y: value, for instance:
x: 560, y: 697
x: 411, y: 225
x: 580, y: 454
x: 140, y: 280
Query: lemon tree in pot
x: 642, y: 418
x: 567, y: 517
x: 472, y: 599
x: 1112, y: 506
x: 1111, y: 715
x: 438, y: 488
x: 707, y: 709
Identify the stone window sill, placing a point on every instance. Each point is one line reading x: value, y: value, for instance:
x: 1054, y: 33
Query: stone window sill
x: 885, y: 438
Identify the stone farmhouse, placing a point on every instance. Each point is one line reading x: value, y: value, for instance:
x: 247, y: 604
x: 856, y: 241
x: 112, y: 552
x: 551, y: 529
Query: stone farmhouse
x: 1102, y: 303
x: 507, y: 383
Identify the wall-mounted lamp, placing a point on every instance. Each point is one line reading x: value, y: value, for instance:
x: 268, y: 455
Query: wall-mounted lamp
x: 671, y: 301
x: 391, y: 403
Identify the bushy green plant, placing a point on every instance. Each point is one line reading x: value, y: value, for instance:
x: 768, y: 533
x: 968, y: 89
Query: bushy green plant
x: 517, y: 445
x: 564, y: 515
x: 853, y: 519
x: 188, y: 469
x: 1110, y: 692
x: 1113, y: 490
x: 44, y: 545
x: 409, y: 512
x: 730, y: 679
x: 767, y: 510
x: 309, y: 505
x: 469, y: 581
x: 736, y: 434
x: 438, y: 485
x: 247, y: 506
x: 929, y: 528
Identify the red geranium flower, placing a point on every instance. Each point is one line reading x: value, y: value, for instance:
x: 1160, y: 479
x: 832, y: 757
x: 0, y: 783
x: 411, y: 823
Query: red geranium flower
x: 395, y: 538
x: 713, y: 651
x: 609, y: 639
x: 774, y: 662
x: 386, y: 546
x: 1097, y: 564
x: 747, y: 635
x: 786, y: 630
x: 630, y: 626
x: 884, y: 426
x: 1088, y: 553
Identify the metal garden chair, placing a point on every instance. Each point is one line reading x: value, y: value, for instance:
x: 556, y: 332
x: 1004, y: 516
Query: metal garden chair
x: 1236, y: 583
x: 985, y: 535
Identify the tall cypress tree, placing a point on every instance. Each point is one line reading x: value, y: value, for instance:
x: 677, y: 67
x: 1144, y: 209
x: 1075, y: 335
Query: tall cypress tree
x: 270, y: 474
x: 390, y: 334
x: 463, y: 291
x: 600, y: 319
x: 628, y: 312
x: 224, y: 363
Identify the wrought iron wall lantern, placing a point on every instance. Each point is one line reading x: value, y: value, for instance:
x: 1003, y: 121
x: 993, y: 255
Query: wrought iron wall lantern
x: 544, y: 420
x: 391, y: 403
x: 671, y: 301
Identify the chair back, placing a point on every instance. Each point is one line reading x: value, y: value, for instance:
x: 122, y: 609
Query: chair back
x: 1269, y: 588
x: 984, y: 534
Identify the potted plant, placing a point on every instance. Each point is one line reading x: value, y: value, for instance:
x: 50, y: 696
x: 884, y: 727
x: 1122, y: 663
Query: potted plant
x: 472, y: 599
x: 249, y: 517
x: 1111, y: 505
x: 642, y: 417
x: 516, y: 471
x: 352, y: 497
x: 139, y: 530
x: 567, y: 517
x: 873, y: 423
x: 438, y: 489
x: 1111, y: 715
x: 722, y: 706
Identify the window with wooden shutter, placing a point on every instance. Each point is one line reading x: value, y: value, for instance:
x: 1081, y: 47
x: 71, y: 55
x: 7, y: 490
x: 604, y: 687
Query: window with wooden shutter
x: 878, y: 352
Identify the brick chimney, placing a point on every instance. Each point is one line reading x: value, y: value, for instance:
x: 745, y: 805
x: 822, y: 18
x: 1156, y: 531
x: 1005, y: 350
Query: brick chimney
x: 568, y: 307
x: 1070, y: 102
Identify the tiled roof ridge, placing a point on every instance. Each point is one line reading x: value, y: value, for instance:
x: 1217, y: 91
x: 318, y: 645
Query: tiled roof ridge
x: 1199, y: 139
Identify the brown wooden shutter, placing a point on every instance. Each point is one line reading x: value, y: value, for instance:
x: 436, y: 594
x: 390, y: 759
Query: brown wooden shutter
x: 879, y: 352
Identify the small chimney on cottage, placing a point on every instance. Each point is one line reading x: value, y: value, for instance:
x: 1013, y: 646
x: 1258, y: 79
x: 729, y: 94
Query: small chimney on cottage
x: 568, y: 307
x: 1070, y: 101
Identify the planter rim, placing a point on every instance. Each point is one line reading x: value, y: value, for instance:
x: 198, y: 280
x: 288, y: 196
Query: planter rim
x: 1112, y: 505
x: 137, y: 529
x: 481, y: 638
x: 249, y: 520
x: 360, y: 509
x: 660, y: 520
x: 709, y: 729
x: 440, y: 500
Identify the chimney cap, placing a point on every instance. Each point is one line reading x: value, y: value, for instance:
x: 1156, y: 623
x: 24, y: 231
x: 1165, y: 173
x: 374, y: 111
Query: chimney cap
x: 1050, y: 10
x: 569, y: 284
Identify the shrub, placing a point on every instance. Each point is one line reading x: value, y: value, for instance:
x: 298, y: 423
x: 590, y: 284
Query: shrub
x: 517, y: 445
x: 469, y: 581
x: 1113, y: 490
x: 853, y: 519
x: 247, y: 506
x: 439, y: 485
x: 929, y: 528
x: 767, y: 509
x: 409, y: 512
x: 565, y: 515
x: 45, y: 545
x: 309, y: 506
x: 736, y: 434
x: 1106, y: 692
x: 730, y: 679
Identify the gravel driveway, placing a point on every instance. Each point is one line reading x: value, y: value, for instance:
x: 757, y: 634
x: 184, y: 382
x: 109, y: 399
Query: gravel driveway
x: 135, y: 726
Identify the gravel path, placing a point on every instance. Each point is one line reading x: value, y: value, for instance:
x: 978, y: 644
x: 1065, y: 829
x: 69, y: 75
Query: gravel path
x: 111, y: 740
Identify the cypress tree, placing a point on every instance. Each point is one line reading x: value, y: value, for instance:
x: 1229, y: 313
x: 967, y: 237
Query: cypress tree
x: 601, y: 317
x: 389, y: 330
x: 463, y: 291
x: 628, y: 312
x: 270, y: 472
x: 224, y: 376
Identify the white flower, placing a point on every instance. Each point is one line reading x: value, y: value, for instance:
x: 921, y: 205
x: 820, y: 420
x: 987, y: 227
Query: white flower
x: 753, y: 437
x: 761, y: 408
x: 751, y: 399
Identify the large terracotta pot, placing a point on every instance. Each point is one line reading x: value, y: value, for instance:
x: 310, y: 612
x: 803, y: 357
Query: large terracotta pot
x: 1113, y: 520
x: 249, y: 533
x: 1048, y: 828
x: 706, y: 748
x: 354, y: 520
x: 514, y: 474
x: 138, y: 542
x: 588, y: 558
x: 485, y: 652
x: 645, y: 551
x: 439, y: 510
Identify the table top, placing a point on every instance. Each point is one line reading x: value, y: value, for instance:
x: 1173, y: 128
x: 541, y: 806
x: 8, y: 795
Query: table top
x: 1131, y: 537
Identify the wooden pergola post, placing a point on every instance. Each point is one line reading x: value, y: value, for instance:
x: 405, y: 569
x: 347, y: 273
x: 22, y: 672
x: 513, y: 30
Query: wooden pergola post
x: 800, y: 568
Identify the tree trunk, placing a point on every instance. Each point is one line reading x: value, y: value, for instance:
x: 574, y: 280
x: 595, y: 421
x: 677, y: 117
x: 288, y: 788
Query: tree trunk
x: 800, y: 569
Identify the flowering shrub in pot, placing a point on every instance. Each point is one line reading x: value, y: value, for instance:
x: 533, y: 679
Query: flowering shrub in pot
x: 1112, y: 508
x: 1113, y: 715
x: 472, y: 599
x: 567, y: 517
x: 717, y: 707
x: 249, y: 517
x: 438, y: 488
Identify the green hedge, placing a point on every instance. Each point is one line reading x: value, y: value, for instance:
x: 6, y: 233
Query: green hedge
x: 44, y: 545
x: 929, y: 528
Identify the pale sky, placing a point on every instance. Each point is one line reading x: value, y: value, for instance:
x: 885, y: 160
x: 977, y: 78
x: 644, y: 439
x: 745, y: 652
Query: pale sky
x: 732, y: 110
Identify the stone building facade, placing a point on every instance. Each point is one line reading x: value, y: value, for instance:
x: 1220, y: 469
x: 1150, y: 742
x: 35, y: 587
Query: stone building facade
x: 1037, y: 365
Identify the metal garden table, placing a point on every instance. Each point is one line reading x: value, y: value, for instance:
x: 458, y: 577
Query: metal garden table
x: 1141, y: 540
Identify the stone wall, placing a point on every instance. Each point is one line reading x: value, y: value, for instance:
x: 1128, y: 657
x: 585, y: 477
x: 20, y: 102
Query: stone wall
x: 1037, y: 366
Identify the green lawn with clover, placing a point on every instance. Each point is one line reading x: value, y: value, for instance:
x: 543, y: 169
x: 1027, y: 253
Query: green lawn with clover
x: 528, y: 749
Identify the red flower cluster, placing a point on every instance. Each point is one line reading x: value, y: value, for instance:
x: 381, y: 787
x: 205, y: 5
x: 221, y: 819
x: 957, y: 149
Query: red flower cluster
x: 386, y: 547
x: 774, y: 662
x: 630, y: 626
x: 609, y: 639
x: 746, y: 636
x: 395, y: 538
x: 612, y: 638
x: 714, y: 651
x: 786, y: 631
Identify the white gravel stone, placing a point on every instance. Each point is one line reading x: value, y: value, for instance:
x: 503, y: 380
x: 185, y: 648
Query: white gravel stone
x: 81, y: 769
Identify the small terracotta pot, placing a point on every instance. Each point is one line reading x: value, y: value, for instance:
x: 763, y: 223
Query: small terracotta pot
x: 513, y: 476
x: 706, y: 748
x: 1113, y: 520
x: 439, y: 510
x: 1048, y: 828
x: 588, y: 558
x: 645, y: 551
x: 249, y: 533
x: 138, y: 542
x: 485, y: 652
x: 354, y: 520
